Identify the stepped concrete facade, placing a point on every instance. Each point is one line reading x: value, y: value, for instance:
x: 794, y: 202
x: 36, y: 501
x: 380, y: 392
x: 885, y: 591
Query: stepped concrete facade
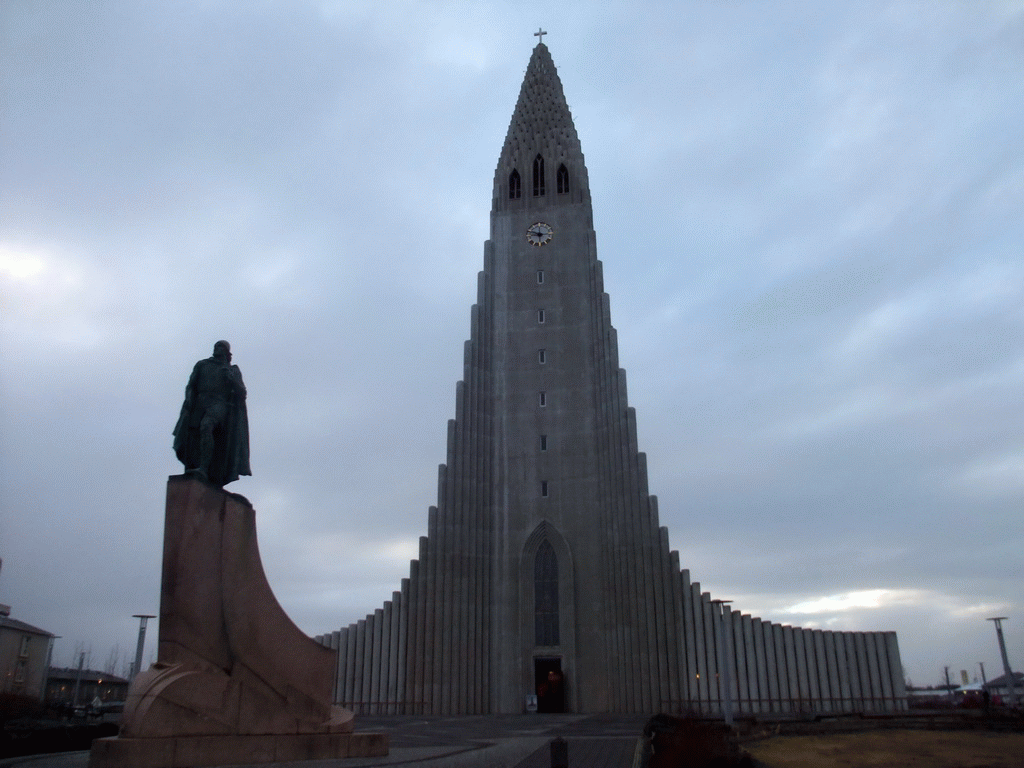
x: 544, y: 572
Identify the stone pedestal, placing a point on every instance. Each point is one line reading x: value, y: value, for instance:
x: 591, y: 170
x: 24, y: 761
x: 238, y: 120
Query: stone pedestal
x: 236, y: 681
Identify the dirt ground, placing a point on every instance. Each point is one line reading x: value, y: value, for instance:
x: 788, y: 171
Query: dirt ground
x: 889, y: 749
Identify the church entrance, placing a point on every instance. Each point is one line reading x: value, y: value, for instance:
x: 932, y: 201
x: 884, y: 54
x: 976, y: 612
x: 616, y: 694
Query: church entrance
x: 550, y: 684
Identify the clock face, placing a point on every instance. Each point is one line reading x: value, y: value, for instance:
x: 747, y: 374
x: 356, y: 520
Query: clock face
x: 538, y: 234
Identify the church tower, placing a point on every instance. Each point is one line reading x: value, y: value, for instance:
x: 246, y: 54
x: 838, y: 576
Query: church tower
x: 573, y: 526
x: 544, y: 571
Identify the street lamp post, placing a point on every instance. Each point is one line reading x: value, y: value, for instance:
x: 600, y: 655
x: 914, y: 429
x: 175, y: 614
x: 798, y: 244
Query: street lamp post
x: 1011, y: 681
x: 49, y: 663
x: 142, y: 617
x: 78, y: 679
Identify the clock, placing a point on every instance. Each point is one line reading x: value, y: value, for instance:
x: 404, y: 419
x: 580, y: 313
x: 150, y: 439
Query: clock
x: 539, y: 233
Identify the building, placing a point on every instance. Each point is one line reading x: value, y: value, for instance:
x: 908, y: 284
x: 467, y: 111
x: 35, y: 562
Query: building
x: 89, y: 683
x: 24, y: 656
x: 544, y: 572
x: 1006, y: 687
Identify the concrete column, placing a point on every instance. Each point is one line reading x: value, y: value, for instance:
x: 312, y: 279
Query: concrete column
x: 686, y: 633
x: 833, y: 671
x: 813, y: 691
x: 340, y: 667
x: 793, y: 682
x: 662, y: 614
x: 850, y: 682
x: 712, y: 633
x: 800, y: 653
x: 899, y: 690
x: 622, y: 525
x: 370, y: 647
x: 878, y: 694
x: 344, y: 667
x: 771, y: 666
x: 609, y: 519
x: 641, y: 562
x: 414, y: 638
x: 425, y: 625
x: 757, y: 631
x: 822, y: 677
x: 351, y: 667
x: 359, y: 667
x: 740, y: 684
x: 852, y: 671
x: 485, y: 480
x: 473, y: 633
x: 702, y: 676
x: 397, y: 691
x: 446, y: 513
x: 384, y: 654
x: 339, y: 677
x: 884, y: 677
x: 750, y: 654
x: 674, y: 646
x: 465, y: 551
x: 863, y: 671
x: 434, y: 597
x: 655, y: 572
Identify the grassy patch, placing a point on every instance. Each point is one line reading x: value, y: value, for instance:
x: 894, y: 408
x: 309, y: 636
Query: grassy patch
x: 886, y: 749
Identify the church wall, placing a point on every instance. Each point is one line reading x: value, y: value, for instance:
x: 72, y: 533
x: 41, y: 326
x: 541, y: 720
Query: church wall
x: 635, y: 634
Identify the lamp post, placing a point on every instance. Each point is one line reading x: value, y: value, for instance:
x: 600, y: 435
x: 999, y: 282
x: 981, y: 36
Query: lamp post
x: 142, y: 617
x: 78, y: 679
x: 724, y: 659
x: 49, y: 663
x: 1010, y: 680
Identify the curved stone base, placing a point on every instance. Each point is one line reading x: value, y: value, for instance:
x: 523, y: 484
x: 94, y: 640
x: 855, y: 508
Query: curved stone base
x: 235, y: 680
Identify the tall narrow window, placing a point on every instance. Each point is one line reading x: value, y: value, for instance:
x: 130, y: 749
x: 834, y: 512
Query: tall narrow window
x: 543, y: 442
x: 544, y: 488
x: 540, y: 277
x: 543, y: 399
x: 563, y: 180
x: 545, y: 596
x: 538, y: 176
x: 515, y: 187
x: 540, y: 315
x: 542, y: 356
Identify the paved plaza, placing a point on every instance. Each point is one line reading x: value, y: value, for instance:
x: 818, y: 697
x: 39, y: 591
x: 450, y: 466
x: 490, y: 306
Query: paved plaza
x: 494, y: 741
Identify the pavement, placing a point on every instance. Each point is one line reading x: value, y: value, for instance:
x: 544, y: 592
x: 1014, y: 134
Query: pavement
x: 480, y: 741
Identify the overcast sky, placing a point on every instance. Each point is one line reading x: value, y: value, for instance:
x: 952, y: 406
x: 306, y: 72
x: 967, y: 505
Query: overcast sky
x: 810, y: 219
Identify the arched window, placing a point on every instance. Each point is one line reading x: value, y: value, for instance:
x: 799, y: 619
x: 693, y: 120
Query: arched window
x: 538, y: 176
x: 563, y: 180
x: 514, y: 185
x: 545, y: 586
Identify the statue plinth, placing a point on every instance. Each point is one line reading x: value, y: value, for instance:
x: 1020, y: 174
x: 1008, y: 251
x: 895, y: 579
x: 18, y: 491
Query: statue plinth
x: 235, y: 681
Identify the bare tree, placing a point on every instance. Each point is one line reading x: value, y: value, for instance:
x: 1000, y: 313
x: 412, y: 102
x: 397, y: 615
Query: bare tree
x: 113, y: 660
x: 80, y: 649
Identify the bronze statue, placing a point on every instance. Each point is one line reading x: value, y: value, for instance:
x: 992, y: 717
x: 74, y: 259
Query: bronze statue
x: 212, y: 435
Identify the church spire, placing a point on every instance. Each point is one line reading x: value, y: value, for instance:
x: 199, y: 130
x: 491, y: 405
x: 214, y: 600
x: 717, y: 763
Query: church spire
x: 541, y: 127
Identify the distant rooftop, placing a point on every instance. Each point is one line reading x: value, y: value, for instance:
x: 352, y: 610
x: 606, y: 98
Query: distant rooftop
x: 20, y: 626
x: 88, y: 675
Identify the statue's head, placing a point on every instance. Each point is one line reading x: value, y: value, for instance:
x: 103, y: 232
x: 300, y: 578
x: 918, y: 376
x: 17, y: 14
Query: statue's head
x: 222, y: 349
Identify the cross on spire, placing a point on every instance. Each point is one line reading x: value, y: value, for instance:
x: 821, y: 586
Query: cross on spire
x: 539, y: 34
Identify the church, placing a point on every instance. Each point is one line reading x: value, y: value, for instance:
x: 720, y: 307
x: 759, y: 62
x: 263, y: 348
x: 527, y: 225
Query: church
x: 545, y: 579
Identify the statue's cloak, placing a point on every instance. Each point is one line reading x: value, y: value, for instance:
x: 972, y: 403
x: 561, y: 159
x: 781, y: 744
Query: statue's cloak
x: 231, y: 441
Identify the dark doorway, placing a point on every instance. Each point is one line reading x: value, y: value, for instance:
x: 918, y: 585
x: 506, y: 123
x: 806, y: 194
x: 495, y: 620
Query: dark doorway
x: 550, y: 682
